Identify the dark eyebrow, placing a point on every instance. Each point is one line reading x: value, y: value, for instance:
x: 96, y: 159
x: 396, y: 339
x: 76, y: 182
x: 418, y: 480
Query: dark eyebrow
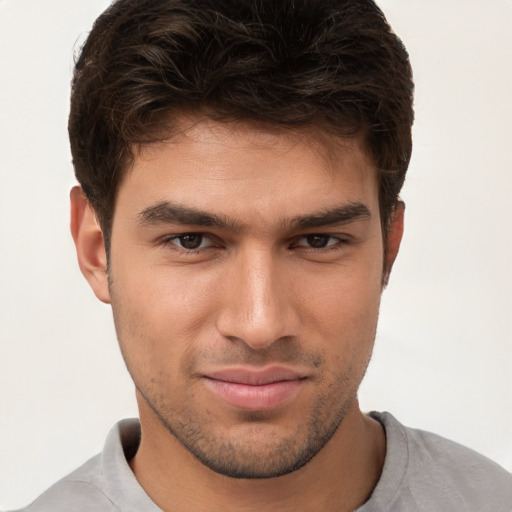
x: 166, y: 212
x: 339, y: 215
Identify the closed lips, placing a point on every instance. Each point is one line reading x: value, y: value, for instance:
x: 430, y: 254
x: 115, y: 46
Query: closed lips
x: 251, y: 390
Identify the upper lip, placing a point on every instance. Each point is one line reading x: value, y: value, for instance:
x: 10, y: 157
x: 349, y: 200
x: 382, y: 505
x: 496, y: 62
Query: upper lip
x: 255, y: 376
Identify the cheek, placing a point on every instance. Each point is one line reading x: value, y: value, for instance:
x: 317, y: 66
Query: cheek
x: 158, y: 315
x: 352, y: 287
x: 342, y: 307
x: 348, y: 318
x: 163, y: 295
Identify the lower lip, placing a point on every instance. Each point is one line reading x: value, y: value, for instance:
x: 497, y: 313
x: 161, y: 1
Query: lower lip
x: 255, y: 398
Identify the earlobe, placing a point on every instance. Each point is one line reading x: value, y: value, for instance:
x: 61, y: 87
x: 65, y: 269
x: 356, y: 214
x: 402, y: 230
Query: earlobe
x: 395, y: 230
x: 89, y: 243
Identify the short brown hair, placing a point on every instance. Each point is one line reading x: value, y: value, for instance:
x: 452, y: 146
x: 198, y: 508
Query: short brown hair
x: 332, y: 63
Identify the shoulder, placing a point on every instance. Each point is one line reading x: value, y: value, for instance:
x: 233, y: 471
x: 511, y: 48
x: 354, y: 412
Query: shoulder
x: 469, y: 473
x: 80, y: 487
x: 426, y: 472
x: 103, y: 484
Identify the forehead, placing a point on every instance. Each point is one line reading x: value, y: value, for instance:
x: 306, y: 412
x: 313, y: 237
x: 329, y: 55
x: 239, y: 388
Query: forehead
x: 194, y: 132
x: 239, y: 166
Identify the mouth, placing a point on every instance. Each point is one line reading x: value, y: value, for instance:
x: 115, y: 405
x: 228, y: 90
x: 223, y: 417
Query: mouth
x: 255, y: 389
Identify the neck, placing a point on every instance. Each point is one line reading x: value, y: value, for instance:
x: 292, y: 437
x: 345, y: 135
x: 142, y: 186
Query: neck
x: 339, y: 478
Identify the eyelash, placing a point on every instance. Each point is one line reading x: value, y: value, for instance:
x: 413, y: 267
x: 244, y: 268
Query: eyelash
x: 339, y: 241
x: 171, y: 239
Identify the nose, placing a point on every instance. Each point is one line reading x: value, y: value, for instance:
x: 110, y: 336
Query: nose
x: 258, y: 306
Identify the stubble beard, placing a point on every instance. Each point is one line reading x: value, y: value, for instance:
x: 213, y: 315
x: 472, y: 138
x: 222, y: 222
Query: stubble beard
x: 272, y: 455
x: 276, y: 455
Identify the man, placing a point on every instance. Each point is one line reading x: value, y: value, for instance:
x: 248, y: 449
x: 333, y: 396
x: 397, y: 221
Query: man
x: 240, y: 164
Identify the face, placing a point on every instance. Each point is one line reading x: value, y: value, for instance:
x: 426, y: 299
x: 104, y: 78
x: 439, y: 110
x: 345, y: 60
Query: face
x: 246, y: 271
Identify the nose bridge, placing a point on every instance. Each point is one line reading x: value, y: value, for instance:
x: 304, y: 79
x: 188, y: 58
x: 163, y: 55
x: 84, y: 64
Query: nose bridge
x: 258, y: 308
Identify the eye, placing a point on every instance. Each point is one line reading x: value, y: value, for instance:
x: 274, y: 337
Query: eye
x: 190, y: 241
x: 318, y: 241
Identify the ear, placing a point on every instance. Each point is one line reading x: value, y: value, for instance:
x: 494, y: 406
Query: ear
x: 89, y: 243
x: 395, y: 230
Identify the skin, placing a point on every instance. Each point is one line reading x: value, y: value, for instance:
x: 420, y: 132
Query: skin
x: 274, y: 282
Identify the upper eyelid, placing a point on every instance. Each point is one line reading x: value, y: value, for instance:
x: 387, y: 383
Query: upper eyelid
x: 213, y: 237
x: 165, y: 240
x: 174, y: 236
x: 338, y: 238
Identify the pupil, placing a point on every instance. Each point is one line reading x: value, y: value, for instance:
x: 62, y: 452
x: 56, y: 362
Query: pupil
x: 191, y: 241
x: 318, y: 241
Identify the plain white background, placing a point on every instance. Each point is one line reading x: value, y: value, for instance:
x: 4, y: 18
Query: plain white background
x: 443, y: 357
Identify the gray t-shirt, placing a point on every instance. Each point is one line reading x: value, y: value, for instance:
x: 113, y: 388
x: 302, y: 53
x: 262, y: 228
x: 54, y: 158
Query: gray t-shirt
x: 422, y: 472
